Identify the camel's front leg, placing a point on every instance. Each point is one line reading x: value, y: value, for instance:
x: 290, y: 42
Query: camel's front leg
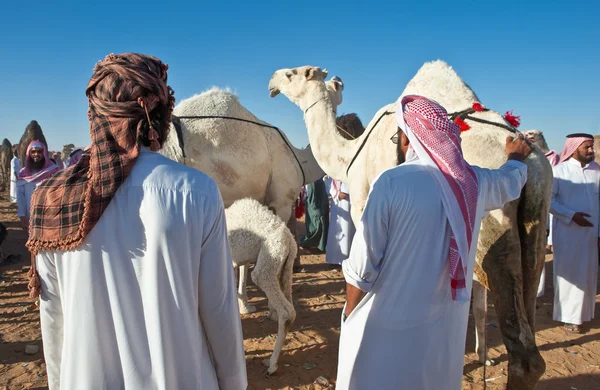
x: 245, y: 307
x: 503, y: 266
x: 265, y: 276
x: 479, y: 314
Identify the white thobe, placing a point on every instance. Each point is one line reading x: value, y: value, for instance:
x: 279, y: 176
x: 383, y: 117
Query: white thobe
x: 542, y: 285
x: 24, y: 193
x: 575, y: 189
x: 341, y: 229
x: 15, y: 167
x: 148, y: 301
x: 407, y: 332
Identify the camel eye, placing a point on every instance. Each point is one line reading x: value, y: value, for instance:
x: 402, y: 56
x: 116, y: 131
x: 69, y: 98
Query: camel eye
x: 288, y: 75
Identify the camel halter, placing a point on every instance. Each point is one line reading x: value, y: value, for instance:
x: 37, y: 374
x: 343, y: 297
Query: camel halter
x: 177, y: 123
x: 315, y: 103
x: 366, y: 138
x: 466, y: 114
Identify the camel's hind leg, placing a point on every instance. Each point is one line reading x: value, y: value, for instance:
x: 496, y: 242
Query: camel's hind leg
x: 504, y: 268
x: 245, y: 307
x: 266, y: 277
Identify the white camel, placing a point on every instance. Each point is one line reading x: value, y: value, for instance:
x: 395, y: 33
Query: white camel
x: 247, y: 157
x: 537, y: 138
x: 256, y: 235
x: 511, y: 247
x: 66, y: 152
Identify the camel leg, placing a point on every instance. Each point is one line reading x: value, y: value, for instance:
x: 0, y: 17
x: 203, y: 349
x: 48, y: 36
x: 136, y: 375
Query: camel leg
x: 479, y: 311
x: 503, y: 266
x: 265, y: 275
x: 291, y: 224
x: 245, y: 307
x: 533, y: 250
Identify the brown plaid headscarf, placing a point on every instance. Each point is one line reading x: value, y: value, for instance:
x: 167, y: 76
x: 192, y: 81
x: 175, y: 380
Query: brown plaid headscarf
x: 129, y: 104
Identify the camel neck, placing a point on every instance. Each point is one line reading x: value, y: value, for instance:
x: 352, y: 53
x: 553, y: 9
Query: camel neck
x: 332, y: 151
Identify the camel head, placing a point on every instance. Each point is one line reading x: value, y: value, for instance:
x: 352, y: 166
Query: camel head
x: 537, y: 138
x: 297, y: 83
x: 335, y: 86
x: 66, y: 151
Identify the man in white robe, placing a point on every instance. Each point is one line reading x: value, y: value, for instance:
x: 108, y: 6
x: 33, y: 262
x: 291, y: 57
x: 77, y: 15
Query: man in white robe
x: 15, y: 168
x: 341, y: 229
x: 575, y: 209
x: 38, y: 167
x: 410, y: 268
x: 137, y: 286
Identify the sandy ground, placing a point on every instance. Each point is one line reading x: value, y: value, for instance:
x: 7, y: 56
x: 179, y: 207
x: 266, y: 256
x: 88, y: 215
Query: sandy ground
x: 309, y: 358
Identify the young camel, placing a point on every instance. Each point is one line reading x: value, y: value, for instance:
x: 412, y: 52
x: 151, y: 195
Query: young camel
x: 256, y: 235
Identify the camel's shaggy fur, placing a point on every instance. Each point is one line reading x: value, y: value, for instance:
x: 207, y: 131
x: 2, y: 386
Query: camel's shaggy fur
x: 349, y: 126
x: 511, y: 247
x: 256, y: 235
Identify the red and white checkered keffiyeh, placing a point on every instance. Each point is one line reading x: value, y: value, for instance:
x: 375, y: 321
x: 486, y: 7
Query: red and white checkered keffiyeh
x: 571, y: 146
x: 553, y: 157
x: 436, y: 141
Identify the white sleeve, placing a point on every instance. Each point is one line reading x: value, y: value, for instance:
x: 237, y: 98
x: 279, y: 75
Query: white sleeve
x: 51, y: 317
x: 345, y: 188
x: 557, y: 208
x: 362, y: 268
x: 500, y: 186
x: 218, y: 306
x: 21, y: 202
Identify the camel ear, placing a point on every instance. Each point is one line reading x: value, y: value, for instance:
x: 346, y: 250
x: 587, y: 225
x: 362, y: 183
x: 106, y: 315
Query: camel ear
x: 313, y: 73
x: 338, y: 84
x: 325, y: 73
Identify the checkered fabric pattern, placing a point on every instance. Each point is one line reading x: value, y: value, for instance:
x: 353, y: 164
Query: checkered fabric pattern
x: 66, y: 207
x: 440, y: 138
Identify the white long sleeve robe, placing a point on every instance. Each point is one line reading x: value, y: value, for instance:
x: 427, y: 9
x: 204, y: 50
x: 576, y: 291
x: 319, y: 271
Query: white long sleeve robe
x: 148, y: 301
x: 407, y: 332
x: 575, y: 189
x: 15, y: 167
x: 341, y: 229
x: 24, y: 193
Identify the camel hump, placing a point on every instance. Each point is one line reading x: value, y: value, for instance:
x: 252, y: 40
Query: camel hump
x: 215, y: 102
x: 439, y: 81
x: 33, y: 131
x: 6, y: 143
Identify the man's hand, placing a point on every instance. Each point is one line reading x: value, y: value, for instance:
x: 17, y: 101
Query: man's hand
x: 579, y: 219
x: 517, y: 148
x: 342, y: 196
x: 353, y: 298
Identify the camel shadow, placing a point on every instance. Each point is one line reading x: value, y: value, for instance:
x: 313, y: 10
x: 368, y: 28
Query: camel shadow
x: 579, y: 382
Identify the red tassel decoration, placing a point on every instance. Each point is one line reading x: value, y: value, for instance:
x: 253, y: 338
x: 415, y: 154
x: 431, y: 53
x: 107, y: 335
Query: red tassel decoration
x: 478, y: 107
x: 462, y: 124
x: 514, y: 120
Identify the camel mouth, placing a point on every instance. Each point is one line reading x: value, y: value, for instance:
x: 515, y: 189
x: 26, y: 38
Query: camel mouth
x: 273, y: 92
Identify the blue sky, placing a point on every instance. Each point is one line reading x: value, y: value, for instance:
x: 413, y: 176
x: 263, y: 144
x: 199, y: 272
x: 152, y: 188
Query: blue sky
x: 542, y: 59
